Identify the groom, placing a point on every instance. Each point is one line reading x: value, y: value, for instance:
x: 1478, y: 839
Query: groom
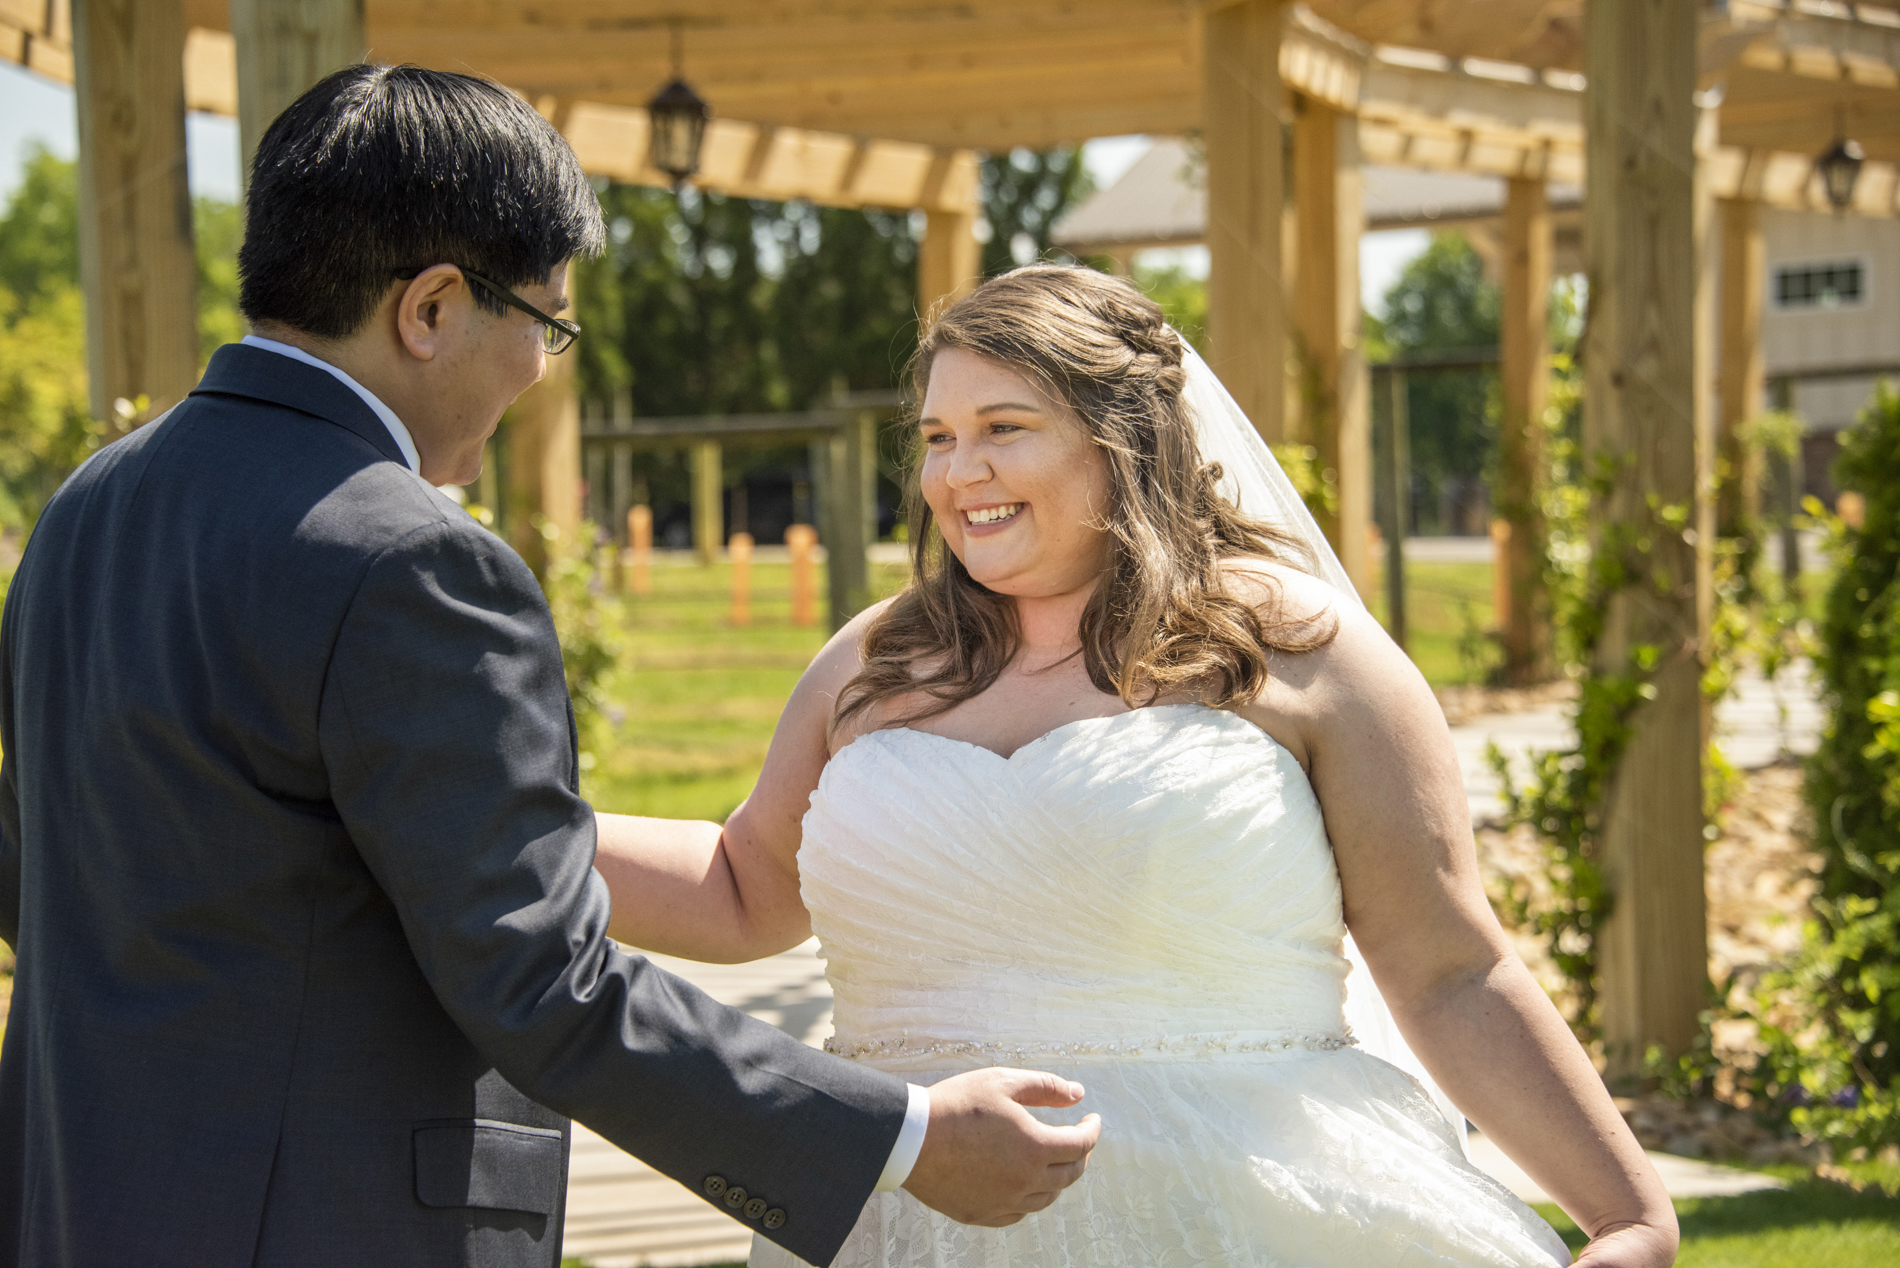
x: 312, y: 956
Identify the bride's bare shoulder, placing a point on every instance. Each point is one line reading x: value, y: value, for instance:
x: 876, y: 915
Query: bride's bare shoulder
x: 831, y: 672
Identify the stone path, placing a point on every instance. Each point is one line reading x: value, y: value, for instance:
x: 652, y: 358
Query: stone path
x: 621, y: 1214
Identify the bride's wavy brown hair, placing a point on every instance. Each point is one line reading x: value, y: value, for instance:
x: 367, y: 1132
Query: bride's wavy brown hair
x: 1162, y: 623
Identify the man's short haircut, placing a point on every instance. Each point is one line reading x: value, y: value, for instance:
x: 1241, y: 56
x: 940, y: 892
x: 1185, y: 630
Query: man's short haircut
x: 380, y: 169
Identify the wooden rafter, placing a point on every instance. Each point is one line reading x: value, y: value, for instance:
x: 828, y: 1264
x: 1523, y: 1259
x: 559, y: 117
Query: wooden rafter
x: 802, y: 85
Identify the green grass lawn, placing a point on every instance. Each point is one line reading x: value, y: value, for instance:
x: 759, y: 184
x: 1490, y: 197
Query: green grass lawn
x: 697, y: 697
x: 1448, y: 615
x: 1811, y: 1224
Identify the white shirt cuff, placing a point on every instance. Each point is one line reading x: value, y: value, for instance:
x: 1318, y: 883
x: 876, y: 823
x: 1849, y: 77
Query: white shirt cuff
x: 910, y: 1142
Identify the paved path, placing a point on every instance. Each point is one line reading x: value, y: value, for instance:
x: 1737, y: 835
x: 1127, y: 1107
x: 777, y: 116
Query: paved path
x: 1760, y: 722
x: 621, y: 1214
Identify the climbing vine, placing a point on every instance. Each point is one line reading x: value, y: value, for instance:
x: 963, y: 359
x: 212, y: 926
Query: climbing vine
x: 1562, y: 795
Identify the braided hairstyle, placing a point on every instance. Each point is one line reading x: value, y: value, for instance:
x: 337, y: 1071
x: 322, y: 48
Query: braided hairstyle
x: 1162, y: 623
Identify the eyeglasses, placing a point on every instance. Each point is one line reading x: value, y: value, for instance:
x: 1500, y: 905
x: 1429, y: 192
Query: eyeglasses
x: 557, y: 336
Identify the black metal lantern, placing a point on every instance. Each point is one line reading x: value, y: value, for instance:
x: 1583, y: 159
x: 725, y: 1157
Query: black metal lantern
x: 676, y: 119
x: 1840, y: 170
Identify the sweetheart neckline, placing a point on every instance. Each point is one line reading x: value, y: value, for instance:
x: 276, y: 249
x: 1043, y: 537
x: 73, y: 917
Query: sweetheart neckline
x: 1052, y: 732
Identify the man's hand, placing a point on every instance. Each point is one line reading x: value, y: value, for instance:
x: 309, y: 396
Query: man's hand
x: 986, y: 1160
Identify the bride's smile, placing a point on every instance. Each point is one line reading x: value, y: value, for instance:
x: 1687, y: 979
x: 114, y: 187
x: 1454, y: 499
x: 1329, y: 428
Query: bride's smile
x: 1012, y: 479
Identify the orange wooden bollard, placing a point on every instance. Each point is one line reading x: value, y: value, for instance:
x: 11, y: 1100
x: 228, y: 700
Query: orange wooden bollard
x: 802, y: 540
x: 1501, y: 574
x: 739, y: 550
x: 640, y: 549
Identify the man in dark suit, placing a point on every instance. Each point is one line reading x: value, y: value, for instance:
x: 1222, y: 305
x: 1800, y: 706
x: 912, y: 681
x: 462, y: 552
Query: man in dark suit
x: 312, y: 957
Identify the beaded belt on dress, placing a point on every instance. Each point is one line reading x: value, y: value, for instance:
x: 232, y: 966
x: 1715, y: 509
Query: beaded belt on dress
x: 1197, y: 1045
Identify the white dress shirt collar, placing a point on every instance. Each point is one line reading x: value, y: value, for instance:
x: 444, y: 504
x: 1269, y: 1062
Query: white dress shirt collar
x: 397, y: 431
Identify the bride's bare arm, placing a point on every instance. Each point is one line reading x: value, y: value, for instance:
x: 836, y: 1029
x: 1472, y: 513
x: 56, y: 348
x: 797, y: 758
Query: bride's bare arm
x: 729, y: 894
x: 1381, y: 760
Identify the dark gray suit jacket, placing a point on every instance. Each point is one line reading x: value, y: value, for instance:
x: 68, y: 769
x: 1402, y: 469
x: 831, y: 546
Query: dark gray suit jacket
x: 312, y: 955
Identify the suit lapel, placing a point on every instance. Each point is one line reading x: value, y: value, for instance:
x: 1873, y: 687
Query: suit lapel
x: 263, y: 375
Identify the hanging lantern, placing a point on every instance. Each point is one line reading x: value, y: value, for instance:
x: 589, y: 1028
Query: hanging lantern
x: 677, y: 118
x: 1840, y: 170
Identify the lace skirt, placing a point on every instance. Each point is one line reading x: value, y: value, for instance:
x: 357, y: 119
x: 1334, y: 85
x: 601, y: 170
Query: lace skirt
x: 1328, y: 1159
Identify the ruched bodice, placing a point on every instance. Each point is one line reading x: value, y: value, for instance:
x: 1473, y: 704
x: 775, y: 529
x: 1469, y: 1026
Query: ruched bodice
x: 1169, y: 867
x: 1146, y: 903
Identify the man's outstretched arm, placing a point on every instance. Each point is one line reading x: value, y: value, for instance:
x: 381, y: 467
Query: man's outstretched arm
x: 446, y: 731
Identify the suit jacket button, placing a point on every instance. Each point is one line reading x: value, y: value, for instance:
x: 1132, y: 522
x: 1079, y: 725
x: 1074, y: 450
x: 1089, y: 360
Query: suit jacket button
x: 736, y: 1196
x: 774, y: 1218
x: 755, y: 1208
x: 715, y: 1186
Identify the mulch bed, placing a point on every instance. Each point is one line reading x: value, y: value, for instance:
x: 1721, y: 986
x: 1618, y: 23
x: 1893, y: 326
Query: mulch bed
x: 1761, y: 875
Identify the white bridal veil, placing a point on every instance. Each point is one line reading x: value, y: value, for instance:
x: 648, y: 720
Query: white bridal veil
x: 1252, y: 480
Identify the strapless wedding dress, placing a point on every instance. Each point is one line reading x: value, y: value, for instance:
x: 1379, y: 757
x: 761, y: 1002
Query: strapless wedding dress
x: 1147, y: 904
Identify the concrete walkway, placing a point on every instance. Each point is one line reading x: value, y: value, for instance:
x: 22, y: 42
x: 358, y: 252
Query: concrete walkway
x: 622, y: 1214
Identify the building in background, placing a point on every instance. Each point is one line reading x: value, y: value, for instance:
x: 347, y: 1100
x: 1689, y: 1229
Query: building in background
x: 1831, y: 327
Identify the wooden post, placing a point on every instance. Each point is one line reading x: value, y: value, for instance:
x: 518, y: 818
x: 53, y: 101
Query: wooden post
x: 1326, y: 322
x: 640, y: 549
x: 1744, y: 279
x: 1641, y: 401
x: 137, y: 266
x: 739, y: 550
x: 284, y: 47
x: 801, y: 541
x: 1240, y: 123
x: 949, y: 260
x: 709, y: 519
x: 850, y: 492
x: 1398, y: 516
x: 1523, y: 617
x: 543, y: 436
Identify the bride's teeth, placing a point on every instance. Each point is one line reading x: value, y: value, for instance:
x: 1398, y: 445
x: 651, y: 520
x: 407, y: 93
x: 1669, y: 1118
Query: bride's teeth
x: 990, y: 515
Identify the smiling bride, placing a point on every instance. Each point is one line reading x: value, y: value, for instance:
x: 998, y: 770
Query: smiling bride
x: 1103, y: 791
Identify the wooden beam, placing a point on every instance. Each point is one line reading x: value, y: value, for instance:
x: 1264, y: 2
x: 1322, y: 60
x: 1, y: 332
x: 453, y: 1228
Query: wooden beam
x: 747, y: 160
x: 1744, y: 279
x: 709, y: 506
x: 949, y: 261
x: 1334, y: 395
x: 282, y: 48
x: 1524, y: 350
x: 1640, y: 418
x: 542, y: 436
x: 847, y: 464
x: 1246, y: 302
x: 136, y: 262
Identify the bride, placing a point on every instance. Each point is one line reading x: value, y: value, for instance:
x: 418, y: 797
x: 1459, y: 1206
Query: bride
x: 1102, y: 792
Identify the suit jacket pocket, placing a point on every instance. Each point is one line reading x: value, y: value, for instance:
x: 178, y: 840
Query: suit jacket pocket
x: 484, y: 1163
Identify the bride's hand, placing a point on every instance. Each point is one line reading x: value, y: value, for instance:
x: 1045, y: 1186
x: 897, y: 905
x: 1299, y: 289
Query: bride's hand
x: 1632, y: 1246
x: 986, y: 1160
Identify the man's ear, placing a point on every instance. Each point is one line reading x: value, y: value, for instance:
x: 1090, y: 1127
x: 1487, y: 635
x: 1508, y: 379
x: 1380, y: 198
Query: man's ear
x: 420, y: 309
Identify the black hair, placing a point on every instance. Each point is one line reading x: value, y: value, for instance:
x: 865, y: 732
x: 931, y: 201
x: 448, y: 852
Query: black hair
x: 380, y: 169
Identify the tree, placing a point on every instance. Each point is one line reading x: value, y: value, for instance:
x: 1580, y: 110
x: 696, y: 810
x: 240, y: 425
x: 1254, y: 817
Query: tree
x: 1024, y: 193
x: 46, y: 424
x: 1440, y: 301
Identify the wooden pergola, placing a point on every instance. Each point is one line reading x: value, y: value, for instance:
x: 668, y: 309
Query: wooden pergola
x: 1695, y: 110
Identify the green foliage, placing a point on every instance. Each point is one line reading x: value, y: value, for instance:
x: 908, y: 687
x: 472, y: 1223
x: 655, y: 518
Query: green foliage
x: 46, y: 423
x: 586, y: 618
x: 1182, y: 296
x: 1847, y: 1056
x: 219, y: 230
x: 1825, y: 1055
x: 1441, y: 300
x: 39, y: 234
x: 1024, y: 193
x: 1318, y: 486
